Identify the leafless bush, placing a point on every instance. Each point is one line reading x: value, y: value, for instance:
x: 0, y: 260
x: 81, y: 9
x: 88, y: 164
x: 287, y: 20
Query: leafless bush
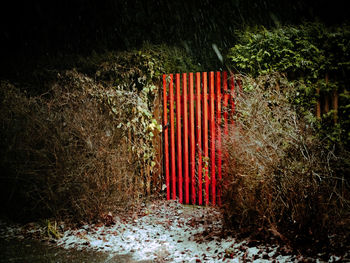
x: 65, y: 153
x: 281, y: 178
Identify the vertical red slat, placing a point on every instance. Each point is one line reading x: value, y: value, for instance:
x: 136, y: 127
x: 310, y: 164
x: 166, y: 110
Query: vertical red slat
x: 225, y: 106
x: 185, y: 135
x: 218, y: 125
x: 178, y: 133
x: 212, y: 137
x: 172, y: 137
x: 225, y: 102
x: 192, y: 141
x: 199, y: 136
x: 205, y: 135
x: 166, y: 139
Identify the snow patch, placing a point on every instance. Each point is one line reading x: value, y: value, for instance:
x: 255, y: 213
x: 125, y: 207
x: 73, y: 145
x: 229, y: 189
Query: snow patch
x: 167, y: 232
x: 164, y: 231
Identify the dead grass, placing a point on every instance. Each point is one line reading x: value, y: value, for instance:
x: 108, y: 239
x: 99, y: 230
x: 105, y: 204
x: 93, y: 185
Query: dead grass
x: 62, y: 153
x: 282, y: 180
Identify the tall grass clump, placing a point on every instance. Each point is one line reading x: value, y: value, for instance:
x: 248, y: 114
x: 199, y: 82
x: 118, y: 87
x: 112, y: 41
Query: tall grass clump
x: 80, y: 135
x: 68, y: 153
x: 283, y: 180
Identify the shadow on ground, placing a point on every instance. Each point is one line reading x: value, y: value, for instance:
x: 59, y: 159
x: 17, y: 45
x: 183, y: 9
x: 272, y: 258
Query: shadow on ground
x: 30, y: 251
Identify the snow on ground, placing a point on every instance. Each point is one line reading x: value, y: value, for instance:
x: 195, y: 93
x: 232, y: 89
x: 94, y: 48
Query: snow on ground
x: 165, y: 231
x: 169, y: 232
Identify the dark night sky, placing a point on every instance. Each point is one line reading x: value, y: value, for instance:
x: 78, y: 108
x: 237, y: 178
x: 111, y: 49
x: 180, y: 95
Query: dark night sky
x: 39, y: 27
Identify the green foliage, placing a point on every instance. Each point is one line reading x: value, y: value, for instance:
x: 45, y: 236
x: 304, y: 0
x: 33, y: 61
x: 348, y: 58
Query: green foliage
x: 140, y: 72
x: 309, y: 51
x: 144, y: 65
x: 289, y: 171
x: 312, y: 56
x: 52, y: 229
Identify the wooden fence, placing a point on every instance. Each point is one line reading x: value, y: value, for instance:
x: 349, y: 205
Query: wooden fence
x: 194, y: 121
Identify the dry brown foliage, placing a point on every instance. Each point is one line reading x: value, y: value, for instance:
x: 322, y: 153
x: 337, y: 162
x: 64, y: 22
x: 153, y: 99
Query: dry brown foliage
x: 62, y: 153
x: 282, y: 180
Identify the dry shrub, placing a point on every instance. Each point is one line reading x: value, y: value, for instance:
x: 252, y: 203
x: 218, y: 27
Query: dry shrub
x: 282, y: 180
x: 65, y: 154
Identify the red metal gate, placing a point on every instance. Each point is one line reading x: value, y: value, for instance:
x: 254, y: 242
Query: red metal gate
x: 193, y: 162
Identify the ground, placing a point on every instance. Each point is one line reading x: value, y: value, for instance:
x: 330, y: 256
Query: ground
x: 161, y: 231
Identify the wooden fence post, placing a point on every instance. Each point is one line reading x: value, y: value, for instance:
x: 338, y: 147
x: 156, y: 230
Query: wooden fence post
x: 212, y: 137
x: 335, y: 105
x: 166, y: 137
x: 172, y: 136
x: 199, y: 136
x: 178, y: 135
x: 218, y: 125
x: 205, y: 136
x: 318, y: 105
x: 192, y: 141
x: 196, y: 117
x: 185, y: 118
x: 326, y: 98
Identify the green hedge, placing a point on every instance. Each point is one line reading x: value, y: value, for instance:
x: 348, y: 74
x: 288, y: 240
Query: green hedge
x: 305, y: 54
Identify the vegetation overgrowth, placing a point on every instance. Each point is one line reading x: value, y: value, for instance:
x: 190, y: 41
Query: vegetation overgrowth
x: 78, y: 134
x: 283, y: 180
x: 288, y: 171
x: 85, y: 146
x: 314, y: 58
